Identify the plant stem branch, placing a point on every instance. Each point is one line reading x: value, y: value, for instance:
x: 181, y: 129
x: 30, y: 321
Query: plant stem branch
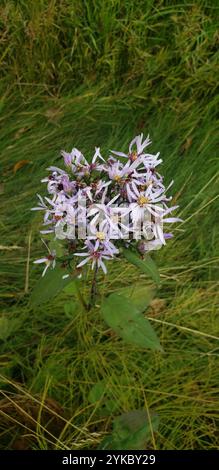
x: 93, y: 291
x: 80, y: 297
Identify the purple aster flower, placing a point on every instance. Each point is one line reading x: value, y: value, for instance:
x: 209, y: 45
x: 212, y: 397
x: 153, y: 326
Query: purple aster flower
x: 105, y: 201
x: 95, y: 255
x: 49, y: 260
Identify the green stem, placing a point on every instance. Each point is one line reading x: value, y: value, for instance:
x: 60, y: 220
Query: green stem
x: 80, y: 296
x: 93, y: 291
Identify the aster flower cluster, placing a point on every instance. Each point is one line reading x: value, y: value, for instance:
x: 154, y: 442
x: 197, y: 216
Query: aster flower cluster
x: 96, y: 208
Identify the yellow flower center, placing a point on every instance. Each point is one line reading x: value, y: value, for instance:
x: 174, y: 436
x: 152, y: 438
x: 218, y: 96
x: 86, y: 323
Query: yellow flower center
x: 134, y: 156
x: 100, y: 235
x: 117, y: 178
x: 142, y: 200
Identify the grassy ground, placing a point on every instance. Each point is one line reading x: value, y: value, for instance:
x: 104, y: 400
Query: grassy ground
x: 86, y: 76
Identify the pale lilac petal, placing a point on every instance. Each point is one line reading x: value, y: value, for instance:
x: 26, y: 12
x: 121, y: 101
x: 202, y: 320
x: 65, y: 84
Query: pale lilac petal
x: 82, y: 263
x: 41, y: 260
x: 38, y: 209
x: 96, y: 246
x: 44, y: 271
x: 120, y: 154
x: 80, y: 254
x: 160, y: 234
x: 55, y: 168
x: 133, y: 141
x: 102, y: 265
x: 44, y: 232
x: 172, y: 220
x: 168, y: 235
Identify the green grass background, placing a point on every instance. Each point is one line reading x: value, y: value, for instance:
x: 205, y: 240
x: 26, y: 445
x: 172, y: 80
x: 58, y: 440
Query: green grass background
x: 88, y: 74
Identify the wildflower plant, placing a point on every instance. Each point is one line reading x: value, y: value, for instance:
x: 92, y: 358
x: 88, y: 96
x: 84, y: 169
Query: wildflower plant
x: 101, y: 210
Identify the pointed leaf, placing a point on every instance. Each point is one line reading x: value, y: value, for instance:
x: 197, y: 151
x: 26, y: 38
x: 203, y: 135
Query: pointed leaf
x: 71, y: 308
x: 49, y: 286
x: 147, y: 265
x: 131, y: 430
x: 141, y: 296
x: 126, y: 320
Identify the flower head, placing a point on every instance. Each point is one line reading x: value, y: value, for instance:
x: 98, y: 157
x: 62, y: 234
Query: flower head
x: 105, y: 203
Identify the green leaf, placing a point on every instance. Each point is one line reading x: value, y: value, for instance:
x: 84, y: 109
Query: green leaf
x: 57, y: 246
x: 97, y: 392
x: 141, y: 296
x: 131, y: 430
x: 71, y: 308
x: 127, y: 321
x: 49, y: 286
x: 147, y: 265
x: 71, y: 288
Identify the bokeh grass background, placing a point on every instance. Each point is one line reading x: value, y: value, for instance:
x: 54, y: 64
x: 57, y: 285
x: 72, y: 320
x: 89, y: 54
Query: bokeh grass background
x: 96, y: 73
